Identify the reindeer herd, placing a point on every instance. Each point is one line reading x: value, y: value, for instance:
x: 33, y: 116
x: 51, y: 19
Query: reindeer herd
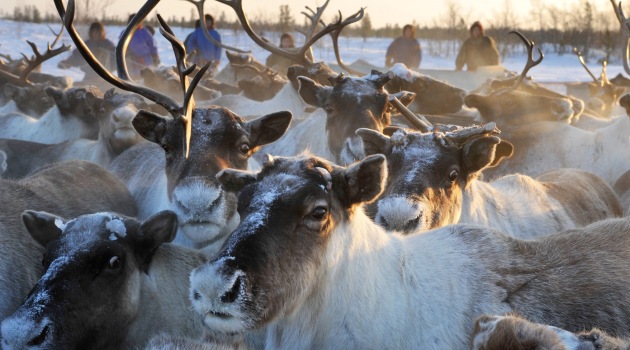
x: 307, y: 209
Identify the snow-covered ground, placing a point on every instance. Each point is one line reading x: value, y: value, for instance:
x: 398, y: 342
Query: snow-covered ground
x: 554, y: 68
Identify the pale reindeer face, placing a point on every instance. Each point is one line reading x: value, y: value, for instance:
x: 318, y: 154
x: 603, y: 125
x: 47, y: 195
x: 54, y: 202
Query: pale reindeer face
x: 273, y: 259
x: 220, y: 139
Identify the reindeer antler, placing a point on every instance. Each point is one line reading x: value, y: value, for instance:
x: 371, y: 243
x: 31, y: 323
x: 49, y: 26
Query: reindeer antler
x: 123, y: 81
x: 530, y: 56
x: 418, y: 121
x: 335, y: 37
x: 625, y: 31
x: 202, y: 22
x: 315, y: 18
x: 463, y: 134
x: 38, y: 59
x: 579, y: 55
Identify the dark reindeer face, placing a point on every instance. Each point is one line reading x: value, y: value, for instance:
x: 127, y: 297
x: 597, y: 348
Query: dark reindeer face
x: 32, y: 100
x: 432, y: 96
x: 90, y: 291
x: 220, y: 139
x: 510, y: 107
x: 271, y: 262
x: 79, y: 103
x: 351, y: 104
x: 427, y: 176
x: 262, y: 88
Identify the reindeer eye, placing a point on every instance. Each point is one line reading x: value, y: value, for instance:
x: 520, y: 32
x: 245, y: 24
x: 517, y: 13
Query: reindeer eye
x: 113, y: 263
x: 328, y: 108
x: 244, y: 148
x: 319, y: 213
x: 166, y: 148
x: 452, y: 176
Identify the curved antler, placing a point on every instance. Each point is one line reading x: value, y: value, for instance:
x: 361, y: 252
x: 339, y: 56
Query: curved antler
x: 188, y: 88
x: 625, y: 31
x: 38, y: 59
x: 124, y: 82
x: 202, y: 22
x: 579, y: 55
x: 530, y: 56
x: 335, y: 36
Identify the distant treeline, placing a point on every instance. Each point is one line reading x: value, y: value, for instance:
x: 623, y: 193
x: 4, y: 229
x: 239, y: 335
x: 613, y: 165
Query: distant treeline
x: 557, y: 29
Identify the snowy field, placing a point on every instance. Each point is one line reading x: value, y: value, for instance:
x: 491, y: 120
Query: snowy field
x: 554, y: 68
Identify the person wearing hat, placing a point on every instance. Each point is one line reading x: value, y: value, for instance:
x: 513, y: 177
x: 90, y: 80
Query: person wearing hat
x: 207, y: 51
x: 405, y: 49
x: 478, y: 50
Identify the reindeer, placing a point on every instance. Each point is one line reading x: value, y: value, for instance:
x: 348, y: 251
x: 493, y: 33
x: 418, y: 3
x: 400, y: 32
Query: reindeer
x: 517, y: 101
x: 22, y: 91
x: 69, y: 189
x: 110, y: 282
x: 71, y: 117
x: 113, y: 112
x: 622, y: 188
x: 433, y: 181
x: 176, y: 170
x: 603, y: 95
x: 307, y: 266
x: 511, y: 331
x: 351, y: 103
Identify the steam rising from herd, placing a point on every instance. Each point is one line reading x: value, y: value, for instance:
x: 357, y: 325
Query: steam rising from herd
x: 309, y: 209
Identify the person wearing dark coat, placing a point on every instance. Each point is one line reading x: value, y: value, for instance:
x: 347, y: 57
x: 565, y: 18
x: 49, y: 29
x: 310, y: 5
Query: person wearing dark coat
x: 102, y: 48
x: 405, y: 49
x: 478, y: 50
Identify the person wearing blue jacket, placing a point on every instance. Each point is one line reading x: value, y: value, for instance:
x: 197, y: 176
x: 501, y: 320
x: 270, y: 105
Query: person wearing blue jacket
x: 142, y: 50
x: 206, y: 50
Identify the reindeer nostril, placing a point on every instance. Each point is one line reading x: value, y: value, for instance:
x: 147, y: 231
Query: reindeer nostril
x: 196, y: 295
x: 39, y: 339
x: 231, y: 295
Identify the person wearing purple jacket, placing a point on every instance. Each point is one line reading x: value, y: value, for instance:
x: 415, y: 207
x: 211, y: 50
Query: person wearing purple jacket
x: 142, y: 50
x: 206, y: 51
x: 405, y: 49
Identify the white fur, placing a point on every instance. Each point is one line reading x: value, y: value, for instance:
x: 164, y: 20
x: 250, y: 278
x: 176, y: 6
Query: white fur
x: 286, y: 99
x: 52, y: 127
x: 309, y: 135
x: 604, y: 152
x: 376, y: 290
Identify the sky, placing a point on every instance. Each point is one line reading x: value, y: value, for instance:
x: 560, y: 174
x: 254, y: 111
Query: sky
x: 424, y: 12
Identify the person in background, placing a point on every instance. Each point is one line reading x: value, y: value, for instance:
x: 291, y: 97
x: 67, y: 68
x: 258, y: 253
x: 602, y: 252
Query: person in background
x: 478, y: 50
x: 281, y: 64
x: 142, y: 50
x: 405, y: 49
x: 206, y: 50
x: 101, y: 47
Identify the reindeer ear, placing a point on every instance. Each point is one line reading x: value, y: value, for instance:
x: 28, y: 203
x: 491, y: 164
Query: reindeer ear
x: 55, y: 93
x: 233, y: 180
x: 481, y: 153
x: 373, y: 141
x: 268, y: 128
x: 42, y: 226
x: 150, y: 125
x: 311, y: 92
x: 147, y: 238
x: 363, y: 181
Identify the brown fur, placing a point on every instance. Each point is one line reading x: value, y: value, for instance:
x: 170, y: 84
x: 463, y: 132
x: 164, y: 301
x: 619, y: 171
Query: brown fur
x: 622, y: 188
x: 515, y: 332
x: 580, y: 182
